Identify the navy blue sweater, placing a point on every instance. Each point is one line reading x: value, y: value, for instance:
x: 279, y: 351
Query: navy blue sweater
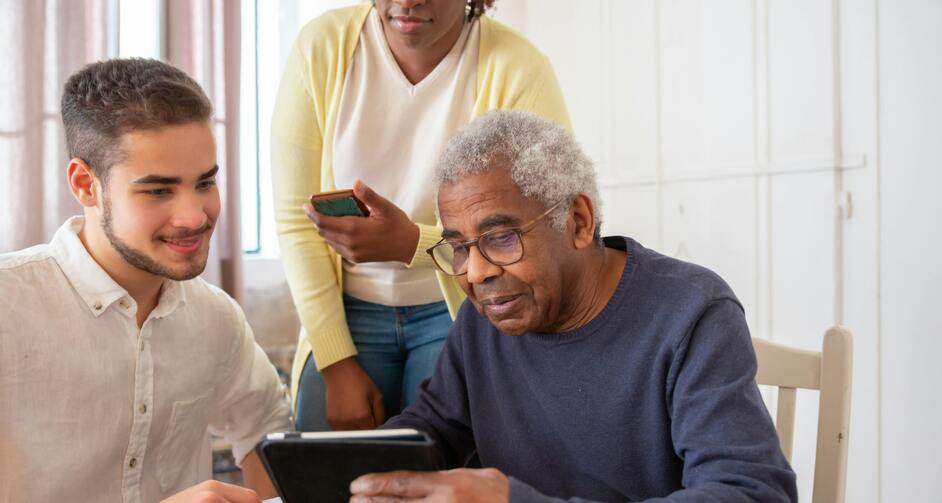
x: 654, y: 398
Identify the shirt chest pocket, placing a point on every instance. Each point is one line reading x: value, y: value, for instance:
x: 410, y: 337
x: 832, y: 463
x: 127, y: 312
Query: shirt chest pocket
x: 180, y: 454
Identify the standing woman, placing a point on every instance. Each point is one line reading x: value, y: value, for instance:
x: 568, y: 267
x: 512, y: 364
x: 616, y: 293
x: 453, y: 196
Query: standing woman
x: 369, y: 97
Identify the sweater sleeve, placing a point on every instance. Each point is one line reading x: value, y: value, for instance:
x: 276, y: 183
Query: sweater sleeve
x: 719, y: 424
x: 296, y: 144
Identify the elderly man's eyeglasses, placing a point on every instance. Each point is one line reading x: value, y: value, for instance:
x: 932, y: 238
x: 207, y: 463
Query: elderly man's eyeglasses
x: 498, y: 246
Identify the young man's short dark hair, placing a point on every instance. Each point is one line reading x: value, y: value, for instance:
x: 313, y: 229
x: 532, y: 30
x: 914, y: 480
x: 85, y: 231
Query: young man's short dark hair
x: 107, y: 99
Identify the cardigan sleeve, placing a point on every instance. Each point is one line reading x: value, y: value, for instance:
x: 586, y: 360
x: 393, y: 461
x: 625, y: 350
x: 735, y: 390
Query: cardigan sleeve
x: 296, y: 153
x: 545, y: 97
x: 428, y: 236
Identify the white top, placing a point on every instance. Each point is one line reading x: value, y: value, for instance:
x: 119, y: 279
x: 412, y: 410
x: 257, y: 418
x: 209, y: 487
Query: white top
x: 93, y: 408
x: 390, y: 134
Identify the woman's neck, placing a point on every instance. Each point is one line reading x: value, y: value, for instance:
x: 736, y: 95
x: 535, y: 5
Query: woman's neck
x: 417, y: 62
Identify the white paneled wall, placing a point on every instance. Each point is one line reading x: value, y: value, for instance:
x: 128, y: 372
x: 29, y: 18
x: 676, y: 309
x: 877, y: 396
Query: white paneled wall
x: 793, y: 146
x: 858, y: 105
x: 910, y: 240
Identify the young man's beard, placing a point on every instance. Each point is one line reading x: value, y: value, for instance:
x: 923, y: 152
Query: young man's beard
x: 142, y: 261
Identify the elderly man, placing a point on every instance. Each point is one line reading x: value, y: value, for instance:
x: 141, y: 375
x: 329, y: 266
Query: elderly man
x: 581, y: 367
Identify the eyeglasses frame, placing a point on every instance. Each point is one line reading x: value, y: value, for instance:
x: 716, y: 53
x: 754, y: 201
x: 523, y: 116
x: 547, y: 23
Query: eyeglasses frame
x: 520, y: 231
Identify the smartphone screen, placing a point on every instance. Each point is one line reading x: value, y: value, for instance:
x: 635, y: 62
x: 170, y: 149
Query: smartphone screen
x: 338, y: 207
x: 340, y: 203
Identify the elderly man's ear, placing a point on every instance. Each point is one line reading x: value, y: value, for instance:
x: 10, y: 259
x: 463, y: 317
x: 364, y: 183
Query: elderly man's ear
x: 582, y: 221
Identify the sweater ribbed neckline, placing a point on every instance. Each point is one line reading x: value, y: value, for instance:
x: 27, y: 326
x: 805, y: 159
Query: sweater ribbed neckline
x: 629, y: 246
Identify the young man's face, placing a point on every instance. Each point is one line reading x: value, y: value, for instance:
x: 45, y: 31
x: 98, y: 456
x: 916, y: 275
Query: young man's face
x: 159, y: 204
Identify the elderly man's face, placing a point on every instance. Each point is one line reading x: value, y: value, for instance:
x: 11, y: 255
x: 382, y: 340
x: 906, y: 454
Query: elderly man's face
x: 522, y: 297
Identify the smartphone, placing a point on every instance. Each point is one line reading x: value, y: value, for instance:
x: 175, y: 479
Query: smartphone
x: 339, y: 203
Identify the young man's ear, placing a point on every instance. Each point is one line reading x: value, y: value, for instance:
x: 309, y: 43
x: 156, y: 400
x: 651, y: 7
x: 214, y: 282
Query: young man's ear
x: 582, y: 219
x: 83, y: 183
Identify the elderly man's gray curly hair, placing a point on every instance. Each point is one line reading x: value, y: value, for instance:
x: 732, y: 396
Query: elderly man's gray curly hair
x: 545, y: 160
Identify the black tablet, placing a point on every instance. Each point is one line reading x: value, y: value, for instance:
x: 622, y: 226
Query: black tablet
x: 319, y: 466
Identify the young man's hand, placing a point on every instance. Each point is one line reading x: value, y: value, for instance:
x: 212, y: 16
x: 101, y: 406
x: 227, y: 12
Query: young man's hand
x: 387, y: 234
x: 353, y: 400
x: 256, y: 478
x: 464, y: 485
x: 213, y: 491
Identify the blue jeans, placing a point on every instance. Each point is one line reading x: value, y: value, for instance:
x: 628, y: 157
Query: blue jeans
x: 398, y: 348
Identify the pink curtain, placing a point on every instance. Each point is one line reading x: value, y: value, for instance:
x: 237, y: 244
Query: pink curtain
x: 203, y: 38
x: 43, y: 42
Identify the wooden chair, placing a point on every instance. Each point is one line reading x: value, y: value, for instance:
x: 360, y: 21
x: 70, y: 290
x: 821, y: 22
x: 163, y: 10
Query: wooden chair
x: 828, y: 371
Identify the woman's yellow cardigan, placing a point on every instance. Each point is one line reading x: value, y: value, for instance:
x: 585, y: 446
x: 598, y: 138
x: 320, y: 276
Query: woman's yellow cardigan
x: 511, y: 74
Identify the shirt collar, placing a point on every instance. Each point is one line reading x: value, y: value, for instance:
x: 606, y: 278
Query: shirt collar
x: 172, y: 296
x: 96, y: 288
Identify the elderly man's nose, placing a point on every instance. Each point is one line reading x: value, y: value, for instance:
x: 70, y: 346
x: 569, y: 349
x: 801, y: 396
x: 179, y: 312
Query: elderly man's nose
x: 479, y: 268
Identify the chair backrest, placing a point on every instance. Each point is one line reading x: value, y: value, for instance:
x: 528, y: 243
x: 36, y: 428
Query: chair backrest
x: 828, y: 371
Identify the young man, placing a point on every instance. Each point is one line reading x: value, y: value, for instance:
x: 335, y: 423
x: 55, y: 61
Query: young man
x: 116, y: 360
x: 580, y: 368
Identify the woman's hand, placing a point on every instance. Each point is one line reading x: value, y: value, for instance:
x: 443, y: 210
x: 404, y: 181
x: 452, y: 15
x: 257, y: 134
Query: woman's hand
x: 354, y: 402
x: 387, y: 234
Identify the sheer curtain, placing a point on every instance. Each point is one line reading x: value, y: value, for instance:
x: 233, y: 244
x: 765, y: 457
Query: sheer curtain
x: 45, y: 41
x: 202, y: 37
x: 42, y: 43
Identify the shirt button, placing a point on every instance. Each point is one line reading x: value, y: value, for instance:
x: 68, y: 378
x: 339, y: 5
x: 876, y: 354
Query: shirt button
x: 132, y: 463
x: 142, y: 409
x: 97, y: 306
x: 123, y: 304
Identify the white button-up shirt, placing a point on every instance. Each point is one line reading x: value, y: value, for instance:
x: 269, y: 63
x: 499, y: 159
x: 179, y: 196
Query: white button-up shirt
x: 93, y: 408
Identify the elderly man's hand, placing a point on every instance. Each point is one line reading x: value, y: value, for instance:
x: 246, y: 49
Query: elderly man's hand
x: 387, y: 234
x: 461, y: 485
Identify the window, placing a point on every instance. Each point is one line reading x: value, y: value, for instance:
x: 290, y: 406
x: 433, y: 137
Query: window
x: 268, y: 31
x: 268, y: 28
x: 138, y: 34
